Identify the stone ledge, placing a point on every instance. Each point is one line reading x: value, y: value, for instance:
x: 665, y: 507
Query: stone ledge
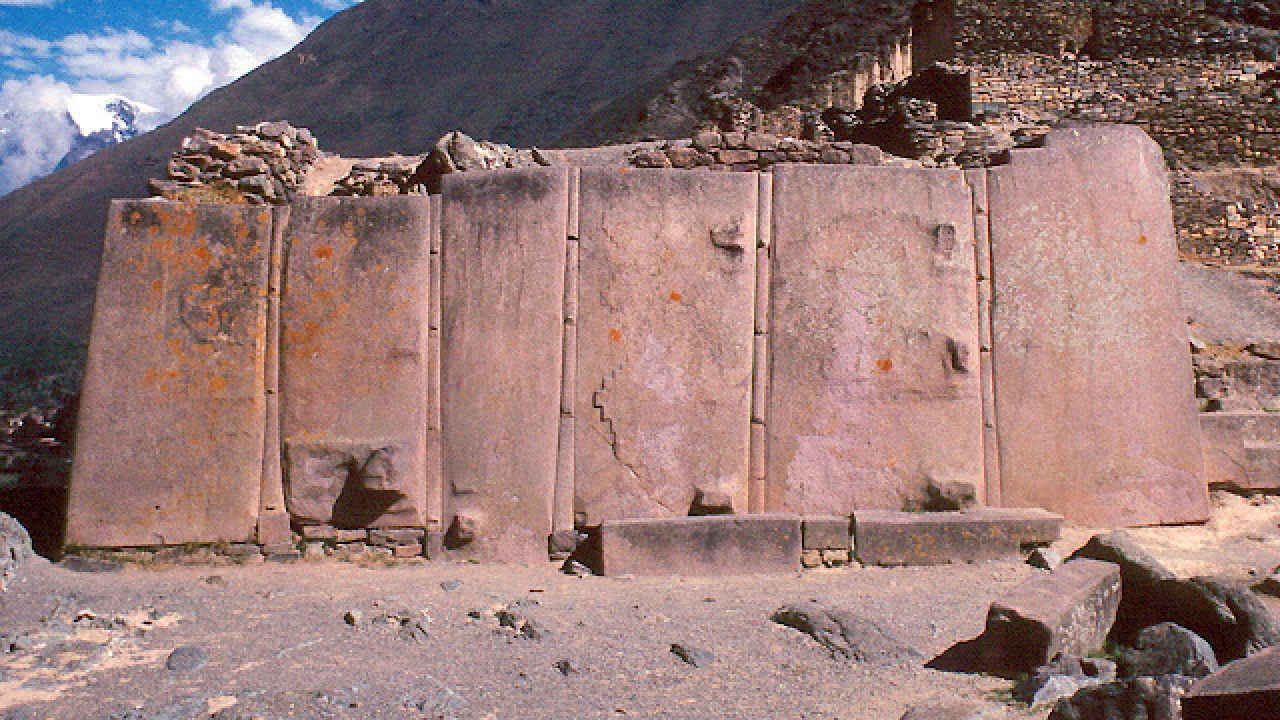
x: 902, y: 538
x: 709, y: 545
x: 1245, y: 689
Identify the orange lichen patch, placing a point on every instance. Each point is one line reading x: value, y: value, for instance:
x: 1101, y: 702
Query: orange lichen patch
x: 676, y: 297
x: 157, y: 285
x: 203, y: 252
x: 615, y: 335
x: 135, y: 217
x: 1142, y: 239
x: 884, y: 365
x: 361, y: 212
x: 324, y: 252
x: 217, y: 384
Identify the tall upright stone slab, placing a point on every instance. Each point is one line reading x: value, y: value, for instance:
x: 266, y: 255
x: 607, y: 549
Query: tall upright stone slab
x: 170, y: 438
x: 501, y: 342
x: 1094, y: 402
x: 875, y: 389
x: 665, y: 325
x: 353, y: 375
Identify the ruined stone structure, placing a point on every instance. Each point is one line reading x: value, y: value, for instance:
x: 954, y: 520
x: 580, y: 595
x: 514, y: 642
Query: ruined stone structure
x: 542, y: 349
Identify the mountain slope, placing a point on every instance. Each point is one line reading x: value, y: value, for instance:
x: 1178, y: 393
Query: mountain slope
x: 386, y: 75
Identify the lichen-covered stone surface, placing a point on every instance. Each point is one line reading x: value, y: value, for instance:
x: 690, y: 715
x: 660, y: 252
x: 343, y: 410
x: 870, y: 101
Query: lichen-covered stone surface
x: 353, y: 344
x: 170, y: 439
x: 666, y: 304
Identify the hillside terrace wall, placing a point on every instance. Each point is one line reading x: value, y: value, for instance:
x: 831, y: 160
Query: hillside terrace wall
x: 547, y: 349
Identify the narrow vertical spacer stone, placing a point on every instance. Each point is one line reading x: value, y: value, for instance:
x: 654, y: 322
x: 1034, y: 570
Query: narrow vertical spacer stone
x: 757, y: 481
x: 562, y: 510
x: 977, y: 180
x: 273, y: 517
x: 435, y: 473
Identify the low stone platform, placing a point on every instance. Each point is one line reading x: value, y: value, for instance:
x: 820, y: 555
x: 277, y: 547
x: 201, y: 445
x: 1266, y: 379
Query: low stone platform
x: 1247, y: 689
x: 902, y: 538
x: 711, y: 545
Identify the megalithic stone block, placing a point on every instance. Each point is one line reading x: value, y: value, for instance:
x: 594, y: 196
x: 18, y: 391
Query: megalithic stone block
x: 1242, y: 450
x: 1247, y: 689
x: 1094, y: 401
x: 354, y: 320
x: 883, y: 537
x: 708, y: 545
x: 1066, y: 612
x: 170, y: 438
x: 665, y: 327
x: 874, y: 338
x: 502, y: 323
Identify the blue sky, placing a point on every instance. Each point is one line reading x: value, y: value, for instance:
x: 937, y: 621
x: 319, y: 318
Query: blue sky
x: 57, y: 55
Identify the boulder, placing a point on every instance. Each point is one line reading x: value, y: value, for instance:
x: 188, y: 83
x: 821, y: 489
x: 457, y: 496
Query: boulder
x: 1168, y: 649
x: 843, y: 634
x: 15, y: 549
x: 1144, y: 698
x: 1062, y: 679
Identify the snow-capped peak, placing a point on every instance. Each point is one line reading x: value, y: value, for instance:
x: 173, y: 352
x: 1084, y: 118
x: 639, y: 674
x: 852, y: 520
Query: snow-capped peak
x: 96, y: 113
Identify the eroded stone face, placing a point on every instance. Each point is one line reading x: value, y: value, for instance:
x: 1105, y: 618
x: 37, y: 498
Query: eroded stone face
x: 1094, y: 402
x: 170, y: 438
x: 501, y: 342
x: 874, y: 383
x: 354, y: 319
x: 665, y: 325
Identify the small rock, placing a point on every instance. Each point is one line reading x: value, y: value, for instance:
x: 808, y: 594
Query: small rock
x: 693, y: 656
x: 1045, y: 558
x: 1144, y: 698
x: 567, y: 667
x: 1269, y: 586
x: 450, y: 585
x: 948, y: 711
x: 314, y: 551
x: 573, y: 567
x: 187, y: 658
x: 354, y: 618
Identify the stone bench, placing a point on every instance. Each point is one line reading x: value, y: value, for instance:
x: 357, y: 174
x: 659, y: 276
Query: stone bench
x: 902, y: 538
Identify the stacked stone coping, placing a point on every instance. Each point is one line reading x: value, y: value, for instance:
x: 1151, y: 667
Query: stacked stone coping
x: 257, y: 164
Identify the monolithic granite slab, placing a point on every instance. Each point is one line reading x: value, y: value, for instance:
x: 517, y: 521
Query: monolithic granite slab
x: 874, y: 385
x: 501, y: 337
x: 170, y: 438
x: 353, y: 373
x: 1094, y: 401
x: 711, y: 545
x: 666, y: 307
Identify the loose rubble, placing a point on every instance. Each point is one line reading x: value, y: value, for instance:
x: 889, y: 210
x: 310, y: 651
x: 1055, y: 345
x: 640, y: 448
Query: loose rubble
x: 257, y: 164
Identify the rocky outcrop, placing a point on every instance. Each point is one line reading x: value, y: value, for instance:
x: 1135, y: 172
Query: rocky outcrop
x: 259, y: 164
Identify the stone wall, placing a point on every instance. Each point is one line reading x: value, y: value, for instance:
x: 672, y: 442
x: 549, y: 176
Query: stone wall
x: 539, y: 350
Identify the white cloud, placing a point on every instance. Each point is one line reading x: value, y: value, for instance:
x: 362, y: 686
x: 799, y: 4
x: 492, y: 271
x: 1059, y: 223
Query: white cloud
x: 37, y: 130
x: 168, y: 76
x: 26, y: 3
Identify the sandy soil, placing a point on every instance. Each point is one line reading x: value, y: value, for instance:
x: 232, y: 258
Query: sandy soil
x: 428, y: 643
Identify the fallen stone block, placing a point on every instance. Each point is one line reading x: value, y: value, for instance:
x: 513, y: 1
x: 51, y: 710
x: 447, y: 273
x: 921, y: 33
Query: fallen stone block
x: 827, y: 533
x: 710, y: 545
x: 1247, y: 689
x: 843, y: 633
x: 1241, y: 449
x: 900, y: 538
x: 1066, y: 612
x: 1225, y: 613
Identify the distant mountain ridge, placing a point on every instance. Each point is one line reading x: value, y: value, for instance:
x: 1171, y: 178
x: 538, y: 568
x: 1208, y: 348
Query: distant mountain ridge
x: 383, y: 76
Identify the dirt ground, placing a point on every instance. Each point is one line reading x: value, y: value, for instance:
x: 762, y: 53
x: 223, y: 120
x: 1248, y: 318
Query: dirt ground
x: 427, y: 642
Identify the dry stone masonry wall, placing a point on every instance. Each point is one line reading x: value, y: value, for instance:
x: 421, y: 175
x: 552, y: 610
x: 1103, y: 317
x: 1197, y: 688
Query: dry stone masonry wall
x: 537, y: 351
